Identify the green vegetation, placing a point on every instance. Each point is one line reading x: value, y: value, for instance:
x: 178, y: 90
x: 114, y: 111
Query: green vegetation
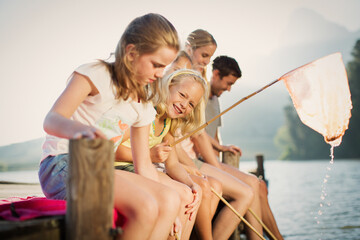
x: 298, y: 141
x: 21, y: 156
x: 350, y: 148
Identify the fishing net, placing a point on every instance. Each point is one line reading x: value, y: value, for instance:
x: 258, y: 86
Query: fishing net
x: 320, y: 93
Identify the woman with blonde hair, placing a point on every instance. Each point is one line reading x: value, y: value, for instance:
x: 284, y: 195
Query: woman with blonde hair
x: 200, y: 46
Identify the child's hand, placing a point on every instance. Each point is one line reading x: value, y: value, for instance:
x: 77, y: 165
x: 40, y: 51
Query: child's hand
x: 89, y: 132
x: 192, y: 207
x: 176, y: 228
x: 160, y: 152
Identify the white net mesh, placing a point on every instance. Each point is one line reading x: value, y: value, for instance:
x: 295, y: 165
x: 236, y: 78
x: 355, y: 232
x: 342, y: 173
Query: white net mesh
x: 320, y: 93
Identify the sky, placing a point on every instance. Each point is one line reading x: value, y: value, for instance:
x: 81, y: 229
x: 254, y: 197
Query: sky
x: 43, y: 41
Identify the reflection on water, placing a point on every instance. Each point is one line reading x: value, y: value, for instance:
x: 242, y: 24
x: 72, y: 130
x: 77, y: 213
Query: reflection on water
x: 294, y: 190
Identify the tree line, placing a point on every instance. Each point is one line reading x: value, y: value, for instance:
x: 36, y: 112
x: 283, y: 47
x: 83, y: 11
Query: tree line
x: 297, y: 141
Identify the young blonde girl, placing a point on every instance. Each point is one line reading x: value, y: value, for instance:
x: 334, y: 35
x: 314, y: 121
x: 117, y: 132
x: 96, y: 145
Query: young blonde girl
x: 239, y: 194
x: 209, y: 202
x: 182, y: 95
x: 120, y: 89
x: 200, y: 46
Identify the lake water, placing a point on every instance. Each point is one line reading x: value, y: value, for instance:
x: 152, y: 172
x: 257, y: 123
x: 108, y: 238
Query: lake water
x: 296, y: 192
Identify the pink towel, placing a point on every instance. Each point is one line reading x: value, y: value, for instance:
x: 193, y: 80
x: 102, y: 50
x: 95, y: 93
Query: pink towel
x: 21, y: 209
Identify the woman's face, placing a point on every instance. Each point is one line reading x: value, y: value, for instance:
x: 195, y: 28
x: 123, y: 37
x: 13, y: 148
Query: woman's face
x: 184, y: 97
x: 150, y: 67
x: 201, y: 56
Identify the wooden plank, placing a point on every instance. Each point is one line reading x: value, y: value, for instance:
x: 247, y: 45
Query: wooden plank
x: 47, y: 228
x: 11, y: 189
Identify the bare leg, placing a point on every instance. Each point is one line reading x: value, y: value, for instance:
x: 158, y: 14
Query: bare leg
x: 217, y: 186
x: 254, y: 183
x: 141, y: 210
x: 186, y: 198
x: 207, y: 207
x: 238, y: 193
x: 267, y: 215
x: 142, y: 200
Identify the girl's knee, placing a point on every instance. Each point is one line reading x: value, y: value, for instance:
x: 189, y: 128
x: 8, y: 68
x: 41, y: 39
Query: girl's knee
x: 186, y: 194
x: 250, y: 195
x: 254, y: 183
x: 149, y: 207
x: 143, y: 210
x: 205, y: 188
x: 169, y: 200
x: 246, y: 195
x: 216, y: 185
x: 149, y: 212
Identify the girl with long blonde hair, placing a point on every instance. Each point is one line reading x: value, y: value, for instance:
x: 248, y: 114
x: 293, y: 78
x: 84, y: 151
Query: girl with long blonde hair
x: 119, y: 91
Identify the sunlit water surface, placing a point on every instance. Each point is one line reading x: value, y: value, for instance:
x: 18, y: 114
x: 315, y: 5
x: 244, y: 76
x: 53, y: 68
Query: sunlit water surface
x: 296, y: 189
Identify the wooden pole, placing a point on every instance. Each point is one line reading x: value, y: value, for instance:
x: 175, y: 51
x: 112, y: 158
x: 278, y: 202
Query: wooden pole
x: 90, y: 197
x: 237, y: 214
x: 262, y: 224
x: 222, y: 113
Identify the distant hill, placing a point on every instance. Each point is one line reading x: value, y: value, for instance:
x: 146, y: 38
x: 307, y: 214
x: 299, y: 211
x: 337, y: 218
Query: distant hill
x: 25, y: 155
x: 254, y: 124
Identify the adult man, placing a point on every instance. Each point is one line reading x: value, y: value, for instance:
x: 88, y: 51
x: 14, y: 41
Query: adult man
x: 225, y: 73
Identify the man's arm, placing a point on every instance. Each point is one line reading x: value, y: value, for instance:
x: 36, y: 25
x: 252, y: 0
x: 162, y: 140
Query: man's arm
x: 223, y: 148
x: 205, y: 148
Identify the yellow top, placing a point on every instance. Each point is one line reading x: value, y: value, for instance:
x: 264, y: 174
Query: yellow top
x: 153, y: 140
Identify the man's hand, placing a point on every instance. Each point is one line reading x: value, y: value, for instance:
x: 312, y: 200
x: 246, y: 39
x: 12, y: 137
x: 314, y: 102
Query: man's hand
x: 231, y: 148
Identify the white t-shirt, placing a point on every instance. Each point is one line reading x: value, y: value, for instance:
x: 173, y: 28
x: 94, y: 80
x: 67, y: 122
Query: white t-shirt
x: 112, y: 116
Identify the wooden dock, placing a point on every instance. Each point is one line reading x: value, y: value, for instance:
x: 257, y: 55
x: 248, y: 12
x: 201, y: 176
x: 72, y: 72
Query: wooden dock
x: 10, y: 189
x: 54, y: 227
x: 51, y: 228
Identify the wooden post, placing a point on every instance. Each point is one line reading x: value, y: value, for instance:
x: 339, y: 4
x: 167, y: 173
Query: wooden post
x: 260, y: 166
x: 90, y: 197
x: 232, y: 160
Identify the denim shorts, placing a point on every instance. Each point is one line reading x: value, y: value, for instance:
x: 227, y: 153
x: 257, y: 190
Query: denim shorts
x: 53, y: 175
x: 126, y: 167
